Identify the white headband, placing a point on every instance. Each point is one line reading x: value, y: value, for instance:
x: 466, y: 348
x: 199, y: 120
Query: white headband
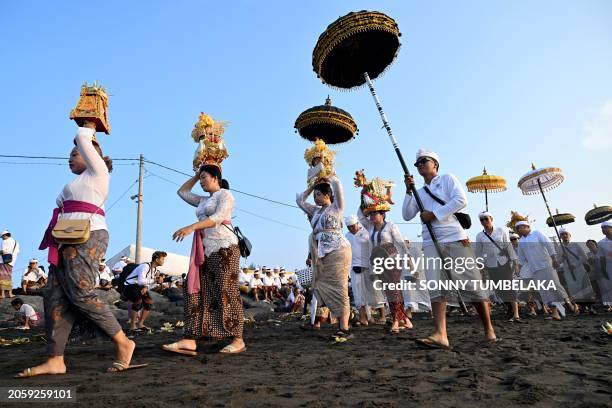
x: 427, y: 153
x: 518, y: 224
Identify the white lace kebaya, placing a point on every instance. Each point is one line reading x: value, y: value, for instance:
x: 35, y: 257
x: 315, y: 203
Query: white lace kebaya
x: 218, y: 208
x: 326, y: 222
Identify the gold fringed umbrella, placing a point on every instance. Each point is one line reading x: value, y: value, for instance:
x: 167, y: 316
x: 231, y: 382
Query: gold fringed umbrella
x: 538, y: 181
x: 598, y: 215
x: 326, y: 122
x: 486, y: 183
x: 560, y: 219
x: 354, y: 49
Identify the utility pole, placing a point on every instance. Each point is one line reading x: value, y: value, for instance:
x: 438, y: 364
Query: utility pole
x: 139, y: 216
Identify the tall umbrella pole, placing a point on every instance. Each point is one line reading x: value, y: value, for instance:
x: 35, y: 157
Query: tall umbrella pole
x: 486, y: 200
x: 563, y: 249
x: 413, y: 189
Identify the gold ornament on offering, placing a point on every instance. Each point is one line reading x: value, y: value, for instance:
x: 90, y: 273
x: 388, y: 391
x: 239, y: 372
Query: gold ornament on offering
x: 93, y: 107
x: 375, y: 194
x: 324, y: 169
x: 208, y: 134
x: 514, y: 218
x: 327, y: 122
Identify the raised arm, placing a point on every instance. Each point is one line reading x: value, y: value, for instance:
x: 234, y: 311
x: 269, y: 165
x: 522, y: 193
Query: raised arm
x: 457, y: 201
x: 367, y: 224
x: 185, y: 191
x: 338, y: 192
x: 300, y: 200
x: 90, y: 155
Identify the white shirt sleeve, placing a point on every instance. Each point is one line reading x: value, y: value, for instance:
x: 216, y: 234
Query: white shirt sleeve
x: 190, y: 198
x: 300, y: 200
x: 92, y: 158
x: 338, y: 192
x: 457, y: 201
x: 410, y: 208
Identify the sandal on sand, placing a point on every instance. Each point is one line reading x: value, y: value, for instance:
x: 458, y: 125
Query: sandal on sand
x: 394, y: 331
x: 28, y: 373
x: 309, y: 327
x: 430, y: 343
x: 174, y: 348
x: 229, y: 349
x: 492, y: 342
x: 118, y: 367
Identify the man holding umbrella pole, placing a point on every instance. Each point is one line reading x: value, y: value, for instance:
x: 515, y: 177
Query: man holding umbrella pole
x: 442, y: 197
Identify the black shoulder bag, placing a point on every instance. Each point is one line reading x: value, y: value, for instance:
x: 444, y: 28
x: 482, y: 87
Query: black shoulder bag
x: 8, y: 258
x: 244, y: 244
x: 463, y: 218
x: 502, y: 252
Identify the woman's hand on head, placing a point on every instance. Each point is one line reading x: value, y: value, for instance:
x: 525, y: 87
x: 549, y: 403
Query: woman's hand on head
x: 180, y: 235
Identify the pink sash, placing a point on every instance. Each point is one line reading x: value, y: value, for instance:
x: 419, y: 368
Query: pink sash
x: 196, y: 260
x: 69, y: 206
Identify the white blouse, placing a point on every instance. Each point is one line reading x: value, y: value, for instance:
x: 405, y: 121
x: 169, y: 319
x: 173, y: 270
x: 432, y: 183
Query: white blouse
x: 326, y: 222
x: 217, y: 207
x: 446, y: 227
x: 390, y: 233
x: 605, y: 251
x: 91, y: 186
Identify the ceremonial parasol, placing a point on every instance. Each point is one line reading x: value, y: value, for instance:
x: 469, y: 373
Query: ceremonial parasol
x: 354, y: 49
x: 326, y: 122
x: 538, y: 181
x: 560, y: 219
x: 487, y: 183
x: 598, y: 215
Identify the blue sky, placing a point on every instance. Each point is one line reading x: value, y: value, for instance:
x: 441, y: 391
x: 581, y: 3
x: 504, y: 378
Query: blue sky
x: 495, y: 83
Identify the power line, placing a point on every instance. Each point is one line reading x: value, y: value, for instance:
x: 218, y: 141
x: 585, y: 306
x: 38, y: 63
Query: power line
x: 232, y: 189
x: 122, y: 195
x: 16, y: 156
x: 270, y: 219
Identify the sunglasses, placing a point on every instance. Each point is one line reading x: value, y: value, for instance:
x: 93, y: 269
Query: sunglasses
x: 513, y: 239
x: 422, y: 161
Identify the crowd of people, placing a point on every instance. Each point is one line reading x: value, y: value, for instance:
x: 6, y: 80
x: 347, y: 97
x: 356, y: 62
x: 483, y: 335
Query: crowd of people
x: 344, y: 264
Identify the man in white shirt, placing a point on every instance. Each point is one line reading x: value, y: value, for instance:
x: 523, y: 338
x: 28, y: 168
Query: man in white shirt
x: 104, y: 276
x: 243, y: 280
x: 9, y: 248
x: 256, y: 285
x: 494, y: 248
x: 118, y: 266
x: 268, y: 282
x: 537, y: 255
x: 34, y: 277
x: 26, y: 316
x: 364, y: 294
x: 283, y: 277
x: 136, y: 289
x: 604, y: 248
x: 453, y: 241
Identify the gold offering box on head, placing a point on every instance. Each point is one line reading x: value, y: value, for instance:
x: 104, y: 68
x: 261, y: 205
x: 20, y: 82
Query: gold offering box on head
x: 92, y: 106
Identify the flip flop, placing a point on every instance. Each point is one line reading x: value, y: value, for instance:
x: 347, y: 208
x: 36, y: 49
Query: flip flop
x: 229, y: 349
x: 492, y: 342
x: 394, y: 331
x: 174, y: 348
x: 432, y: 344
x: 118, y: 367
x: 27, y: 373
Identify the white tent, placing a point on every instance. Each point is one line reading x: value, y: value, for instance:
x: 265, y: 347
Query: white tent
x: 175, y: 264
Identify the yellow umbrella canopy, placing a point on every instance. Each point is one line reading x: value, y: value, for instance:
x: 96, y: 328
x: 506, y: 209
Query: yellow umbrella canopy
x: 326, y: 122
x: 486, y: 183
x: 560, y: 219
x: 598, y: 214
x: 357, y: 43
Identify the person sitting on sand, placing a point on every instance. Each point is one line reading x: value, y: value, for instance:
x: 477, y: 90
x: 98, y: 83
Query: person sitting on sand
x: 26, y: 317
x: 243, y: 280
x: 105, y: 276
x: 136, y: 289
x: 34, y: 277
x: 268, y: 282
x: 256, y: 286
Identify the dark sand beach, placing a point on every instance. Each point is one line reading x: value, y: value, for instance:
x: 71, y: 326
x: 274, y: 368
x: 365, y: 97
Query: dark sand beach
x: 538, y: 363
